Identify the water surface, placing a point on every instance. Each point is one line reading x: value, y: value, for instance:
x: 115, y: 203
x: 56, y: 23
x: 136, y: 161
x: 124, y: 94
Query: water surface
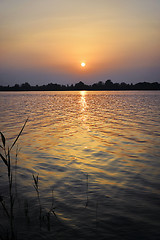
x: 98, y: 152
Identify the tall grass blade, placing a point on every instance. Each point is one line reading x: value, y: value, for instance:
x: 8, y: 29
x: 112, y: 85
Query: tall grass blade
x: 4, y: 160
x: 9, y: 163
x: 5, y: 209
x: 34, y: 178
x: 19, y: 134
x: 35, y: 182
x: 3, y: 139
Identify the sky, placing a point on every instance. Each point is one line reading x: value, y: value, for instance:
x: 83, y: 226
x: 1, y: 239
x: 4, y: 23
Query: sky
x: 46, y: 41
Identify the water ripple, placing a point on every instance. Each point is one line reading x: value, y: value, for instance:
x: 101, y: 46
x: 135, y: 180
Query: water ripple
x: 95, y: 148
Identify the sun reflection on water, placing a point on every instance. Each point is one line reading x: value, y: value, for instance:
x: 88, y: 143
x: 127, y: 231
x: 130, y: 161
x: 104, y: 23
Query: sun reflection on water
x: 83, y: 101
x: 84, y: 113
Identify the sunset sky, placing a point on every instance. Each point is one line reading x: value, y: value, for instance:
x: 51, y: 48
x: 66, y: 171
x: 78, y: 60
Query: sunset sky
x: 46, y: 41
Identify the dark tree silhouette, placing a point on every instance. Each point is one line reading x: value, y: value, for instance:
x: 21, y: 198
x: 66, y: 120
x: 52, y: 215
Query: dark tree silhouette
x: 108, y: 85
x: 26, y: 86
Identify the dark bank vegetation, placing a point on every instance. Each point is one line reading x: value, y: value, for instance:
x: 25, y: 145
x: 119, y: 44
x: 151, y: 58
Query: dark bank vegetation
x: 107, y: 85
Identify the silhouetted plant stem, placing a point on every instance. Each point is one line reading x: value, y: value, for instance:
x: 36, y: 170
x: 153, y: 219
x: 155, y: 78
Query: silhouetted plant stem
x: 7, y: 161
x: 4, y: 206
x: 53, y: 207
x: 36, y: 186
x: 18, y: 135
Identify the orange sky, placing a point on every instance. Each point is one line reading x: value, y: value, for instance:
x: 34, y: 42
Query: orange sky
x: 54, y: 37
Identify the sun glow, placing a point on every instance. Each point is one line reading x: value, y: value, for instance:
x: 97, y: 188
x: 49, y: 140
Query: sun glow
x: 83, y: 64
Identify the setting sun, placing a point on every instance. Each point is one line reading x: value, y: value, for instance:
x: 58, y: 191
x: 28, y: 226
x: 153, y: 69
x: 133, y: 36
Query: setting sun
x: 83, y: 64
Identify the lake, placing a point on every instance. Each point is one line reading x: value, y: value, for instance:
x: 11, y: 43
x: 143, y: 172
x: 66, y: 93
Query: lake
x: 97, y: 157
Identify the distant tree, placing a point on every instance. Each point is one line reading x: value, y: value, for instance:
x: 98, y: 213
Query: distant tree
x: 71, y: 87
x: 116, y: 86
x: 100, y: 85
x: 26, y: 86
x: 108, y: 85
x: 123, y: 86
x: 36, y: 88
x: 16, y: 87
x: 80, y: 86
x: 155, y: 86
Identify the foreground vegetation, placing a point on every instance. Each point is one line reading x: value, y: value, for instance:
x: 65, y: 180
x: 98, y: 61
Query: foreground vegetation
x: 11, y: 204
x: 23, y: 218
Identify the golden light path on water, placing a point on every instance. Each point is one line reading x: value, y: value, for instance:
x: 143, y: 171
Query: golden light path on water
x: 111, y: 137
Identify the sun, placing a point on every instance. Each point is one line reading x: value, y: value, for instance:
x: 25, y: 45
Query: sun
x: 83, y: 64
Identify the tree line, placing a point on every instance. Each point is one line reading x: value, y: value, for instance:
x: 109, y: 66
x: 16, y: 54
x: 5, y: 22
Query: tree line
x: 107, y: 85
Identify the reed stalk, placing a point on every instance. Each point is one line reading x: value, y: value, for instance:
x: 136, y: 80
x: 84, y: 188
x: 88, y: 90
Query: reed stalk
x: 36, y: 186
x: 6, y: 158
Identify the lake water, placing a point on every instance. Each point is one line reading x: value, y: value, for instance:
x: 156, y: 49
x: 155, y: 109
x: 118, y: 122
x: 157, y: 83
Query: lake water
x: 98, y: 159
